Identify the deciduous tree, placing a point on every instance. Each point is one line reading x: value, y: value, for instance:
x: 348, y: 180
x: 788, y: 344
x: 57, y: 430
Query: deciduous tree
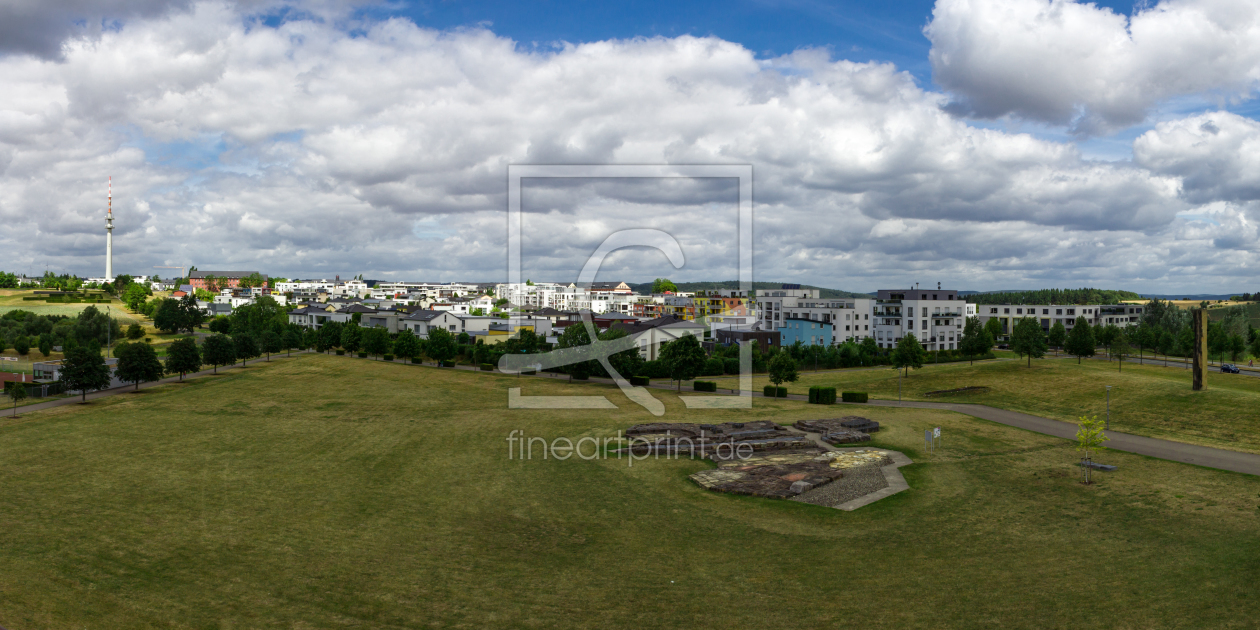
x: 182, y: 357
x: 683, y: 358
x: 138, y: 363
x: 1027, y: 339
x: 84, y: 369
x: 909, y: 354
x: 218, y: 350
x: 1080, y: 340
x: 783, y: 369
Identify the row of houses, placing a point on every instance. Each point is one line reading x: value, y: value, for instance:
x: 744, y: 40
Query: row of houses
x: 935, y: 316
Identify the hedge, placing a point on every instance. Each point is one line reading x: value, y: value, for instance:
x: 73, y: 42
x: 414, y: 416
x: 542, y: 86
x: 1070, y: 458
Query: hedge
x: 362, y: 355
x: 416, y: 360
x: 713, y: 367
x: 487, y: 367
x: 449, y: 364
x: 580, y: 377
x: 640, y: 381
x: 704, y: 386
x: 819, y: 395
x: 853, y: 397
x: 529, y: 372
x: 341, y: 352
x: 731, y: 365
x: 769, y: 392
x: 388, y: 357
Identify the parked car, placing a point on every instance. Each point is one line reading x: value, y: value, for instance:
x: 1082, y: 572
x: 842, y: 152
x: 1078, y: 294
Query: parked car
x: 1229, y: 368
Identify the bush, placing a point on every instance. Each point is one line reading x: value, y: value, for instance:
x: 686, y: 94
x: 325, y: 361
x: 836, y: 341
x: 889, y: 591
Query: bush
x: 769, y: 392
x: 731, y: 365
x: 362, y: 355
x: 148, y: 340
x: 529, y: 372
x: 580, y: 377
x: 388, y: 357
x: 449, y: 364
x: 640, y: 381
x: 416, y: 360
x: 654, y: 369
x: 487, y: 367
x: 853, y: 397
x: 704, y: 386
x: 819, y: 395
x: 713, y: 367
x: 341, y: 352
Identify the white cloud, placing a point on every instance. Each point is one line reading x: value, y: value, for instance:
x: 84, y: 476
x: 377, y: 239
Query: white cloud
x: 384, y: 152
x: 1078, y: 64
x: 1217, y: 155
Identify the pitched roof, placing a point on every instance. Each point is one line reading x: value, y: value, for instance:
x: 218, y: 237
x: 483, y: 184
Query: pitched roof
x: 224, y: 274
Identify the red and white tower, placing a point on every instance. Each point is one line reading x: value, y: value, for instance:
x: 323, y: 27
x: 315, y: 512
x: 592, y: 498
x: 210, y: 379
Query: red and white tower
x: 109, y: 233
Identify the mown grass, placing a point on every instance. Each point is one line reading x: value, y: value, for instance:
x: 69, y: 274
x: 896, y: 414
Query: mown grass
x: 1149, y: 399
x: 11, y: 300
x: 334, y: 492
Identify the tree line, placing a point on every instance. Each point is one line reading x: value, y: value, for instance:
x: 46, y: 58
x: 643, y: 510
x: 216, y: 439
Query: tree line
x: 1054, y: 296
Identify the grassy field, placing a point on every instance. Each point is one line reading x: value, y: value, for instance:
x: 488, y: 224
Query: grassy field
x: 11, y: 300
x: 1146, y: 400
x: 332, y: 492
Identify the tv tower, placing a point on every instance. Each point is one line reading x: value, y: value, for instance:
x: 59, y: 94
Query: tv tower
x: 109, y: 233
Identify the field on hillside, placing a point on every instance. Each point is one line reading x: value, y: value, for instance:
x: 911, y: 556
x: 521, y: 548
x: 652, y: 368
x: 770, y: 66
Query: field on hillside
x: 324, y: 491
x: 1146, y: 399
x: 11, y: 300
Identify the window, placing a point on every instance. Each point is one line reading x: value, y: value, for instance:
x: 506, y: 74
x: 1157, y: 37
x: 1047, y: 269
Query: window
x: 1058, y: 311
x: 993, y: 311
x: 1006, y: 311
x: 1072, y: 311
x: 1045, y: 311
x: 867, y: 327
x: 924, y: 326
x: 1019, y: 311
x: 933, y: 296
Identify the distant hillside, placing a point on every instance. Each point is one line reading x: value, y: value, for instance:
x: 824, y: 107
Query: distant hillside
x: 1052, y: 296
x: 687, y: 287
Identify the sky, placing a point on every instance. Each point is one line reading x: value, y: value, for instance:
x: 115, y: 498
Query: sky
x: 982, y: 144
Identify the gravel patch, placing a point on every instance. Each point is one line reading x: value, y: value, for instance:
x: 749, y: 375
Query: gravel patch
x: 855, y: 483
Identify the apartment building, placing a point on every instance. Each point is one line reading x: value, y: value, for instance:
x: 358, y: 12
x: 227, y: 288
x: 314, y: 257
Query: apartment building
x: 851, y: 318
x: 935, y: 316
x: 1120, y: 315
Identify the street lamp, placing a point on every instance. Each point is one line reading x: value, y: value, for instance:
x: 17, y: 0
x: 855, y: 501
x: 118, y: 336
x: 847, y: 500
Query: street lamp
x: 1108, y: 425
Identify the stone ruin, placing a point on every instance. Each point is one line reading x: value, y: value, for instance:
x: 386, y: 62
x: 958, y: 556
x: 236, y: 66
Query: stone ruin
x: 765, y: 459
x: 846, y: 430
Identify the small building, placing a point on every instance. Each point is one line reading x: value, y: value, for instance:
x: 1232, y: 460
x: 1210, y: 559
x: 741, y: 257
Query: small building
x: 807, y: 331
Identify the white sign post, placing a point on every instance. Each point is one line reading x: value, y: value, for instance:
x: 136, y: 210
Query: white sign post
x: 936, y: 433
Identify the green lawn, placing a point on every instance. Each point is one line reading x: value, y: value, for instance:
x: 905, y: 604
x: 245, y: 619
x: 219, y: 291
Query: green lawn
x: 11, y: 300
x: 1146, y: 400
x: 324, y: 491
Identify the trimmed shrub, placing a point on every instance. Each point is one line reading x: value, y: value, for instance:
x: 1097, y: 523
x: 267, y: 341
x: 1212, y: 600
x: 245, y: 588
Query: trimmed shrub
x: 640, y: 381
x: 362, y: 355
x: 341, y: 352
x: 853, y: 397
x: 416, y: 360
x: 487, y: 367
x: 388, y: 357
x: 713, y: 367
x: 529, y: 372
x: 730, y: 365
x: 449, y: 364
x: 704, y: 386
x: 819, y: 395
x: 580, y: 377
x: 769, y: 392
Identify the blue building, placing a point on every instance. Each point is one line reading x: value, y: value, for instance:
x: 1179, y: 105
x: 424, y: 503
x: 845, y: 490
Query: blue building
x: 807, y: 331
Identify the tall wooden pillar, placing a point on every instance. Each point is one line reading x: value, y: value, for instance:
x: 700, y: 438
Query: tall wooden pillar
x: 1200, y: 348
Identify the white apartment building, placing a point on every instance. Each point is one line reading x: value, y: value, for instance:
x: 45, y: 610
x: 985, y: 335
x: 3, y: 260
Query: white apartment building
x: 1120, y: 315
x: 570, y: 298
x: 851, y: 318
x: 935, y: 316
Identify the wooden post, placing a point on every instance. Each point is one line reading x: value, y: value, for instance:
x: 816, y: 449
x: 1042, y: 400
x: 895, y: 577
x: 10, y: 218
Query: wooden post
x: 1200, y: 349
